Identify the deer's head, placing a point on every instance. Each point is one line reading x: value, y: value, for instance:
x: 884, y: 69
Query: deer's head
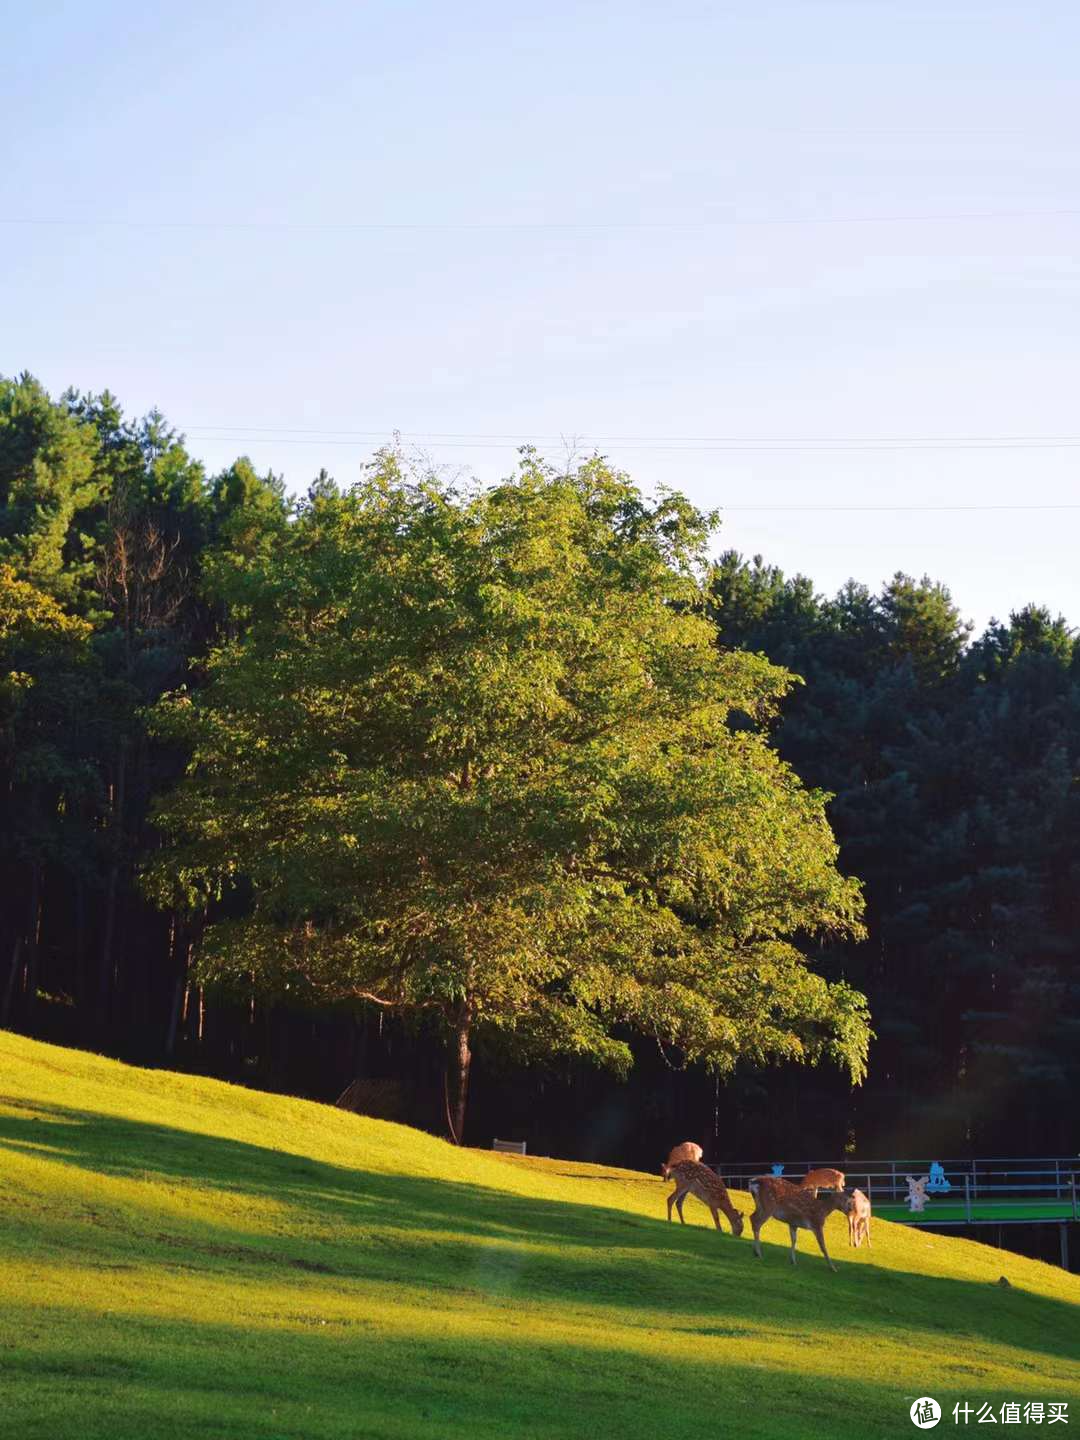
x: 842, y: 1200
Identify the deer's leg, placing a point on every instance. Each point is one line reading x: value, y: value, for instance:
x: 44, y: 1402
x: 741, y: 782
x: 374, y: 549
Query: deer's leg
x: 820, y: 1233
x: 715, y: 1216
x: 679, y: 1203
x: 853, y: 1230
x: 866, y: 1232
x: 794, y: 1231
x: 756, y: 1222
x: 671, y: 1201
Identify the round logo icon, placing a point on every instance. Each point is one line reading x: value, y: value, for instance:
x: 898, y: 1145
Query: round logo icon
x: 925, y: 1413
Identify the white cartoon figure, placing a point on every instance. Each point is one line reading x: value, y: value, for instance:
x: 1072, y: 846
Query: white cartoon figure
x: 917, y: 1193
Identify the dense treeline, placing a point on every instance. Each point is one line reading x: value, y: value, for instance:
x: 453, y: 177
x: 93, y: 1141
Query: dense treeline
x: 108, y: 531
x: 124, y: 571
x: 954, y: 769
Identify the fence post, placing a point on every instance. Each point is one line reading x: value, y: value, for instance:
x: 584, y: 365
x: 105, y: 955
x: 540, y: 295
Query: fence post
x: 1075, y: 1215
x: 967, y: 1196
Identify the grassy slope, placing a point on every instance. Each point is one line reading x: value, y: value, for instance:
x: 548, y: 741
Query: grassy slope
x: 184, y: 1258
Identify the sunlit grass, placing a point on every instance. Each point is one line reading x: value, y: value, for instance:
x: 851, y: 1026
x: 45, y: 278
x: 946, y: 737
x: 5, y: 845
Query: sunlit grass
x: 184, y: 1258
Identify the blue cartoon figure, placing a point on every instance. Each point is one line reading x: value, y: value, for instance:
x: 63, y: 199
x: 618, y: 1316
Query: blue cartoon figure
x: 778, y: 1169
x: 937, y: 1184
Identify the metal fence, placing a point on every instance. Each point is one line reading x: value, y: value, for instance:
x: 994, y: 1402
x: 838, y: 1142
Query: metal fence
x: 960, y: 1191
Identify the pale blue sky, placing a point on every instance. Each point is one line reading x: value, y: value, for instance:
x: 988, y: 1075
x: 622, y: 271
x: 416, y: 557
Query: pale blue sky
x: 599, y: 212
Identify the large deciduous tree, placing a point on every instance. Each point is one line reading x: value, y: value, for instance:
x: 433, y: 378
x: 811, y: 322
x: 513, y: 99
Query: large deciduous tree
x: 476, y: 753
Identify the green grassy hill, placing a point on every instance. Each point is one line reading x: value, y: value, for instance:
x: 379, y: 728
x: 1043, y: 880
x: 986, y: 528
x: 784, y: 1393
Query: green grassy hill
x: 180, y: 1257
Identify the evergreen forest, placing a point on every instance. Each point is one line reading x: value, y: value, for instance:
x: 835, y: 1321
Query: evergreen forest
x: 525, y: 810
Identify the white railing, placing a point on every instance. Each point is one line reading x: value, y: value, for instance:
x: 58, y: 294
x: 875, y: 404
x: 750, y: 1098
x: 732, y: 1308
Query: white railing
x: 1002, y: 1182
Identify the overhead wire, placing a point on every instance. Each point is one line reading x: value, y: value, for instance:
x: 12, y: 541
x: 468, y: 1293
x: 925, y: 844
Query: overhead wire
x: 693, y: 444
x: 472, y: 226
x: 675, y: 444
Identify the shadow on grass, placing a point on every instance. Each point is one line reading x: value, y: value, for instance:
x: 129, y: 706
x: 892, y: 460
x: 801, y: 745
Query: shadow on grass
x: 403, y: 1229
x: 126, y: 1378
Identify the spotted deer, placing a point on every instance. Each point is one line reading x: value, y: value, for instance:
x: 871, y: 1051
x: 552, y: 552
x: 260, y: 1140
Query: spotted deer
x: 859, y: 1220
x: 693, y: 1178
x: 688, y: 1150
x: 798, y: 1208
x: 824, y: 1179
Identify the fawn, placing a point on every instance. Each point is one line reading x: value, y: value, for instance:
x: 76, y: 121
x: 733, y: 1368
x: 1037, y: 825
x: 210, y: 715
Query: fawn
x: 822, y: 1180
x: 686, y: 1151
x: 693, y: 1178
x: 797, y: 1207
x: 859, y: 1219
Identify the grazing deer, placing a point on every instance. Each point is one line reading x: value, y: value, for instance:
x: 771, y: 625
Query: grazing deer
x: 822, y: 1180
x: 686, y: 1151
x: 859, y: 1219
x: 797, y: 1207
x: 693, y: 1178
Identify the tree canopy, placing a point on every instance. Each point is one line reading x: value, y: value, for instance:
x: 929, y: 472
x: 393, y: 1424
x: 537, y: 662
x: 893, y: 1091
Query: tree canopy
x: 476, y: 753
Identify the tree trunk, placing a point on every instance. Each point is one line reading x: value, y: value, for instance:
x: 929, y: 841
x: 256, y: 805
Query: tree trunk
x: 458, y: 1072
x: 174, y: 1017
x: 9, y: 989
x: 107, y: 964
x: 179, y: 946
x: 19, y: 990
x: 79, y: 984
x: 33, y: 949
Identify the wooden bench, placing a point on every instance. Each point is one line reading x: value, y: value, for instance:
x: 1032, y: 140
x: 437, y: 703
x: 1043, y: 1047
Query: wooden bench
x: 509, y: 1147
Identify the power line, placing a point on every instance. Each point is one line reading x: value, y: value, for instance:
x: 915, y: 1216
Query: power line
x: 334, y: 430
x: 888, y: 509
x: 695, y: 444
x: 673, y: 445
x: 472, y: 226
